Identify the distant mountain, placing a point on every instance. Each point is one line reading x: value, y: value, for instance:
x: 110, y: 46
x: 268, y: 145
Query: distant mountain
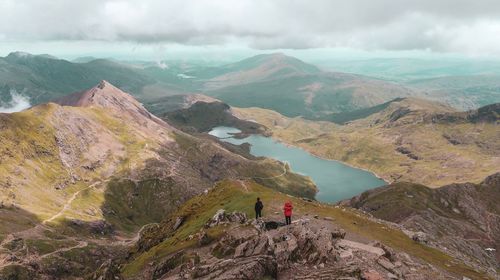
x: 84, y: 59
x: 255, y: 69
x: 464, y: 92
x: 294, y: 88
x: 463, y: 219
x: 43, y: 78
x: 409, y: 69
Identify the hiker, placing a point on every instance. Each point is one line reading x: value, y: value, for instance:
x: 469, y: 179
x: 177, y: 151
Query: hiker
x: 258, y: 208
x: 287, y: 209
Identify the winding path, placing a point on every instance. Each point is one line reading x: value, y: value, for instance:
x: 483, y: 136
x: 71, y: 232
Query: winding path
x: 68, y: 203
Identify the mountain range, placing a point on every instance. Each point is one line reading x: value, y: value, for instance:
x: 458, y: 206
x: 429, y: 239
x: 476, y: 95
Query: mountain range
x: 271, y: 81
x: 105, y: 184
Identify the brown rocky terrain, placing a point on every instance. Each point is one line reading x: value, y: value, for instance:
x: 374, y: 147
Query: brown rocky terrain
x: 207, y: 239
x: 461, y: 219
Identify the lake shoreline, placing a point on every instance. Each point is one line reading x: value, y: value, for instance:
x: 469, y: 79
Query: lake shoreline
x: 351, y: 180
x: 331, y: 159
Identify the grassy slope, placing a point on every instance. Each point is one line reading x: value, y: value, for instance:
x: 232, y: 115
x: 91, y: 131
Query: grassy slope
x: 372, y: 146
x: 30, y: 161
x: 232, y: 196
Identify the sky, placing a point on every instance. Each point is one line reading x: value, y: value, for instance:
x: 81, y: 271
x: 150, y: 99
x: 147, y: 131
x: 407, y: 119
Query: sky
x: 157, y: 28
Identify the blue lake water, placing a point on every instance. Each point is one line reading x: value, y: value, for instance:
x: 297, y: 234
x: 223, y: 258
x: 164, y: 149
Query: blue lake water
x: 335, y: 180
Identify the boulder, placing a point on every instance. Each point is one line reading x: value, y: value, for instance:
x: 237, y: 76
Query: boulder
x: 221, y: 217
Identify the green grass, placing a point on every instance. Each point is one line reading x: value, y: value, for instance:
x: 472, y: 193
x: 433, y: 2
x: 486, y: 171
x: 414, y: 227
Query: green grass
x: 371, y: 144
x: 231, y: 196
x: 44, y: 246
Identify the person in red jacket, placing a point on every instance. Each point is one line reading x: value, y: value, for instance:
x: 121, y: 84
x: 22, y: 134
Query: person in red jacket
x: 287, y: 209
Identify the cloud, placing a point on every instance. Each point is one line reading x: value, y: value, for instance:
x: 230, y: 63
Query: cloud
x: 444, y: 26
x: 18, y: 103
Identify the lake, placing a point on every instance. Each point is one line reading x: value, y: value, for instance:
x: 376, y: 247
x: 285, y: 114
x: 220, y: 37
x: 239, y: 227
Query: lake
x: 335, y: 180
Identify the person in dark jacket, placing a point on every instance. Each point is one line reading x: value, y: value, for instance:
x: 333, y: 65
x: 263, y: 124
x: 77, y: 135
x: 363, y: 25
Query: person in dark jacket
x: 258, y: 208
x: 287, y: 210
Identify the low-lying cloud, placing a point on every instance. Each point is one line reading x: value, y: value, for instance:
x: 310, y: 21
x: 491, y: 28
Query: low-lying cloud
x: 18, y: 103
x: 445, y: 25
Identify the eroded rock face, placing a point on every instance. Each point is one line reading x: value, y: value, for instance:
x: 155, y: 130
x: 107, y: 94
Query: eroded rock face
x: 221, y: 217
x: 461, y: 219
x: 307, y: 249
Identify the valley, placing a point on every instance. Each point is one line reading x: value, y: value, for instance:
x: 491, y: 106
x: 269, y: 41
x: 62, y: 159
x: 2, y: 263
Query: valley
x: 249, y: 140
x: 98, y: 185
x: 403, y: 142
x: 334, y: 180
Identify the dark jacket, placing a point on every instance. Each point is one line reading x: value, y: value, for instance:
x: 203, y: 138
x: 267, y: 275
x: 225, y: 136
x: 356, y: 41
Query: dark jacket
x: 259, y: 206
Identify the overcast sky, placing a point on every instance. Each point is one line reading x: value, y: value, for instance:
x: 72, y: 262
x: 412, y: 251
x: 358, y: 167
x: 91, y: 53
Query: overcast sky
x: 465, y: 27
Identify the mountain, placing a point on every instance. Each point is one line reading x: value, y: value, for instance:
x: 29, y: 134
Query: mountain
x: 464, y: 92
x: 294, y: 88
x: 409, y: 139
x: 94, y: 186
x: 42, y: 78
x: 171, y: 103
x: 212, y: 237
x: 80, y: 177
x: 255, y: 69
x: 462, y: 219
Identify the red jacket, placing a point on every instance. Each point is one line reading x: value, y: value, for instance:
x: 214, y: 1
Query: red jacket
x: 288, y: 209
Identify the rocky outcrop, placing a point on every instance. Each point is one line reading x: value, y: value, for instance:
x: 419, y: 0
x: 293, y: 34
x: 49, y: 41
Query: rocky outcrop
x: 460, y: 219
x: 307, y: 249
x: 221, y: 217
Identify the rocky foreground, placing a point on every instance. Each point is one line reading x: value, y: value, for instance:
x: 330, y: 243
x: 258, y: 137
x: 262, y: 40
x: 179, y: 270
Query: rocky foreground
x: 208, y: 239
x: 308, y: 249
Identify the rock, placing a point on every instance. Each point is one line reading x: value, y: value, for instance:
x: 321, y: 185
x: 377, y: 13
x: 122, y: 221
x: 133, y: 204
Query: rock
x: 371, y: 275
x: 178, y: 223
x: 392, y: 276
x: 203, y: 239
x: 328, y: 219
x: 338, y: 234
x: 388, y: 252
x: 221, y: 217
x: 107, y: 271
x: 420, y: 237
x: 241, y: 250
x: 273, y: 225
x: 386, y: 264
x: 346, y: 254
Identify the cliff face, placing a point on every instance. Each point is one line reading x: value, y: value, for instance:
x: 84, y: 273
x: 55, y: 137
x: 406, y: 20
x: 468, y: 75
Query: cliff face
x: 463, y: 219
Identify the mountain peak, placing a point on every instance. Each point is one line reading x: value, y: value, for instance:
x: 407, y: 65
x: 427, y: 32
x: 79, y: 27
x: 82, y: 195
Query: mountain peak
x: 19, y: 55
x: 104, y: 94
x: 113, y: 100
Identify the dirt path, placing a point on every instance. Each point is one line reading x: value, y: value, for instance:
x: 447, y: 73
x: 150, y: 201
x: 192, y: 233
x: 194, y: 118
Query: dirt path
x: 68, y: 203
x: 285, y: 171
x: 81, y: 244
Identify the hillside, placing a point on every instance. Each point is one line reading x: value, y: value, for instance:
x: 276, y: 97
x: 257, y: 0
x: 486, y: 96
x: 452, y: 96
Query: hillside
x: 43, y: 78
x: 400, y: 142
x: 461, y: 91
x: 292, y: 87
x: 211, y: 237
x: 463, y: 218
x: 80, y: 178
